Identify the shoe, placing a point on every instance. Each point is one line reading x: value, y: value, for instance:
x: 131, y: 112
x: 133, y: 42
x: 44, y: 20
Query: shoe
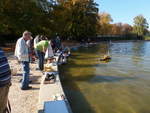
x: 37, y: 69
x: 27, y: 88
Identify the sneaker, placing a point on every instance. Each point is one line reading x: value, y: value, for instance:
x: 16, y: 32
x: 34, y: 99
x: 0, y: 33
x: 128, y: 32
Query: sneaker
x: 37, y: 69
x: 27, y: 88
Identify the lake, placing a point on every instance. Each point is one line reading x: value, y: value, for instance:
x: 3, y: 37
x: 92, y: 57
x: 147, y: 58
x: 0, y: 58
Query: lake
x: 119, y: 86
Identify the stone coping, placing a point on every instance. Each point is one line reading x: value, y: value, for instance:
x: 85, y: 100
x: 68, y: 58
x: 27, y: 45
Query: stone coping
x: 50, y: 94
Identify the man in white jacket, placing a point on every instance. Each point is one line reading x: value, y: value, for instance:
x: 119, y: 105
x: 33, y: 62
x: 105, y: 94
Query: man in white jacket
x: 22, y: 54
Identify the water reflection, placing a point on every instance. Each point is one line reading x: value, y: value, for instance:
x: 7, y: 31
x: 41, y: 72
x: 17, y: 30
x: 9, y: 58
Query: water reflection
x: 119, y: 86
x: 100, y: 78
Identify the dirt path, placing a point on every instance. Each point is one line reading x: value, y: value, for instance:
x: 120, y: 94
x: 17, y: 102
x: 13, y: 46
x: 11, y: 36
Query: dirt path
x: 24, y: 101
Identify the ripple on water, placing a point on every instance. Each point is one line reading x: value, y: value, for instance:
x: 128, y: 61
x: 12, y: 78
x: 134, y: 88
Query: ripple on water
x: 119, y: 86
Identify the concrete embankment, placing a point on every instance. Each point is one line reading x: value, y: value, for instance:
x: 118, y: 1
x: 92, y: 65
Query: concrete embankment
x: 52, y: 98
x: 42, y: 98
x: 24, y: 101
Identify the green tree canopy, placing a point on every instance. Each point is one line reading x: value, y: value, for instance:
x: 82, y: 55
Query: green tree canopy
x: 78, y: 18
x: 68, y: 18
x: 140, y: 25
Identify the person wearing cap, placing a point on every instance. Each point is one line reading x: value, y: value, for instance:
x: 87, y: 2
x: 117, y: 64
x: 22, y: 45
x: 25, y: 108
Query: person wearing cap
x: 22, y: 54
x: 5, y: 82
x: 41, y: 48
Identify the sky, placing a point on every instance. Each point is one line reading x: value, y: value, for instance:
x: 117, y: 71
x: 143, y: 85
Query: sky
x: 125, y: 10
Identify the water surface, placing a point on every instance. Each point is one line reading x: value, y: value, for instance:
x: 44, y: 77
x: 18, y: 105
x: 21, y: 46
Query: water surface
x: 119, y: 86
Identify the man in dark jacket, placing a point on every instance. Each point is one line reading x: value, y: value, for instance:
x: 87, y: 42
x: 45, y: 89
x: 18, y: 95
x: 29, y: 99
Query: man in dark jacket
x: 5, y: 81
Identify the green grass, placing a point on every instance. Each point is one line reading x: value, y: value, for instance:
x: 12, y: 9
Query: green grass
x: 146, y: 37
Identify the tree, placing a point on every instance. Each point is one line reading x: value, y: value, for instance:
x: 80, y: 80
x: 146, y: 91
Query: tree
x: 83, y: 21
x: 104, y: 23
x: 16, y: 16
x: 74, y: 18
x: 140, y: 25
x: 126, y: 29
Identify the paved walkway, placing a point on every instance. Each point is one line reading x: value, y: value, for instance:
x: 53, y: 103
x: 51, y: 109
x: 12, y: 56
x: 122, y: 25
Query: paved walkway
x: 24, y: 101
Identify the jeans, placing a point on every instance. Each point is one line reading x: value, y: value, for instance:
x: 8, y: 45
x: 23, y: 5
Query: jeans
x: 40, y: 60
x: 26, y: 71
x: 4, y: 97
x: 36, y: 53
x: 30, y: 57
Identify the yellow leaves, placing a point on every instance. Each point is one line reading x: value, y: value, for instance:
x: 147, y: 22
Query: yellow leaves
x: 105, y: 18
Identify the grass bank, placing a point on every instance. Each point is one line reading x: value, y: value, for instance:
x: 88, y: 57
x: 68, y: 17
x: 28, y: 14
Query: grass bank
x: 146, y: 37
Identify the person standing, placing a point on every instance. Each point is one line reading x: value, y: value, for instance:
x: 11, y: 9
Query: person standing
x: 58, y: 42
x: 36, y: 40
x: 22, y: 54
x: 41, y: 48
x: 5, y: 81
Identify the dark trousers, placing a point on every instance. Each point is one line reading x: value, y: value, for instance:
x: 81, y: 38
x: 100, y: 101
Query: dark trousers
x: 40, y: 60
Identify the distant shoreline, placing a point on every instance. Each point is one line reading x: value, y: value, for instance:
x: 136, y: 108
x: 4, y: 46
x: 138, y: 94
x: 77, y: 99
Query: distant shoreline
x: 9, y: 49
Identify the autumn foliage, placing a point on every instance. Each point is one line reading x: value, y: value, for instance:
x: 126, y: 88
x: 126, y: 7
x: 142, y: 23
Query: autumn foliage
x: 71, y: 19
